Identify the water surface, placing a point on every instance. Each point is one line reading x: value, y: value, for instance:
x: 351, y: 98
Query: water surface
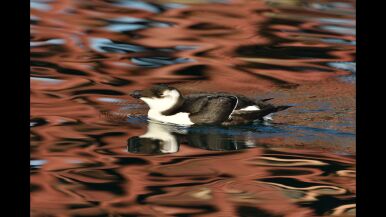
x: 87, y: 155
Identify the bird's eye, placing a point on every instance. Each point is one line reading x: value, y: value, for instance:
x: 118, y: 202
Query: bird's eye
x: 164, y: 94
x: 160, y: 95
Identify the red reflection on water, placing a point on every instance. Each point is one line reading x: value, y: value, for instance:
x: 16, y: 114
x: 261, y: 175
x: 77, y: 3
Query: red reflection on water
x: 80, y: 55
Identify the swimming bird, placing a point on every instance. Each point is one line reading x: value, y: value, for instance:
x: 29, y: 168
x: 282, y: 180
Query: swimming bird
x: 168, y: 105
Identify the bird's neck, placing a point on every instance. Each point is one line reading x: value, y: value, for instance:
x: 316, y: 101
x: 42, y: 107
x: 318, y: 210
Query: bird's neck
x: 174, y: 109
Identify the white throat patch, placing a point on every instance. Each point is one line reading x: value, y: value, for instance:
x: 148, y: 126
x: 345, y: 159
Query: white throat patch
x: 169, y: 99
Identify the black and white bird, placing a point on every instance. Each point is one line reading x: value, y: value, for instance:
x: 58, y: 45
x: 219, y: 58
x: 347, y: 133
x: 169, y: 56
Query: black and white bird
x: 168, y: 105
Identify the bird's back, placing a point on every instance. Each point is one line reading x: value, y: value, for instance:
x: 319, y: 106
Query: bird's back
x: 196, y: 102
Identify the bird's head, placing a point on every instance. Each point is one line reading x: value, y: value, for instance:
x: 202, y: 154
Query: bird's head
x: 159, y: 97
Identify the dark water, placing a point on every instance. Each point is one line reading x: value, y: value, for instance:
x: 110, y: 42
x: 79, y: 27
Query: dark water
x: 87, y: 156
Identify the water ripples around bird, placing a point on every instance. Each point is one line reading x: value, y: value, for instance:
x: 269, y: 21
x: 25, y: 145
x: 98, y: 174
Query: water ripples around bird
x: 88, y: 158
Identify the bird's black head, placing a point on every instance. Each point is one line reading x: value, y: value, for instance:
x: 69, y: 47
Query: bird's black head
x: 156, y: 91
x: 159, y: 97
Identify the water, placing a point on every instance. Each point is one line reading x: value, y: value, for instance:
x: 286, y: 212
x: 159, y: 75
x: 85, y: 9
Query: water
x: 87, y: 156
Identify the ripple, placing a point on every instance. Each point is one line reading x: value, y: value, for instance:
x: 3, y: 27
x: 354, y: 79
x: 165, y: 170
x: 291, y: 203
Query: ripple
x: 139, y: 5
x: 88, y: 153
x: 123, y: 24
x: 40, y: 5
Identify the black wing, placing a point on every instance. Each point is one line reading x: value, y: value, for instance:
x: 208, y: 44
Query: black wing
x: 213, y: 109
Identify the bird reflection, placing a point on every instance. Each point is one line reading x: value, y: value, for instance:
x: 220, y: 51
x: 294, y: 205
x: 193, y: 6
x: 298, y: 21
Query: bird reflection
x: 166, y: 139
x: 158, y: 139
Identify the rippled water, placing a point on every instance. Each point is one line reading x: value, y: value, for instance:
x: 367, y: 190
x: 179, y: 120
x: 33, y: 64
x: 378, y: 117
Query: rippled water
x: 87, y: 158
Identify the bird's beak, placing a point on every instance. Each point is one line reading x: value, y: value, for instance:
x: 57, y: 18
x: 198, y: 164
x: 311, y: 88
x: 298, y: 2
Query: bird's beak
x: 136, y: 94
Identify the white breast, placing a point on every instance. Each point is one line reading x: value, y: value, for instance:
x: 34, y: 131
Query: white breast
x: 181, y: 118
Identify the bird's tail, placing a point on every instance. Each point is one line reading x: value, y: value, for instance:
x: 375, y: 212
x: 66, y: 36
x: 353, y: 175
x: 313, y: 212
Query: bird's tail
x: 266, y: 99
x: 282, y: 107
x: 244, y: 117
x: 270, y: 110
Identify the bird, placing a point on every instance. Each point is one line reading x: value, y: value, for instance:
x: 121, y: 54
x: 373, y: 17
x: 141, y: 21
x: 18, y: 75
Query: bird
x: 168, y: 105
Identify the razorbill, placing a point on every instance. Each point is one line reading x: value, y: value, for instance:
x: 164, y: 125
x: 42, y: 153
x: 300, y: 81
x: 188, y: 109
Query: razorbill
x: 168, y: 105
